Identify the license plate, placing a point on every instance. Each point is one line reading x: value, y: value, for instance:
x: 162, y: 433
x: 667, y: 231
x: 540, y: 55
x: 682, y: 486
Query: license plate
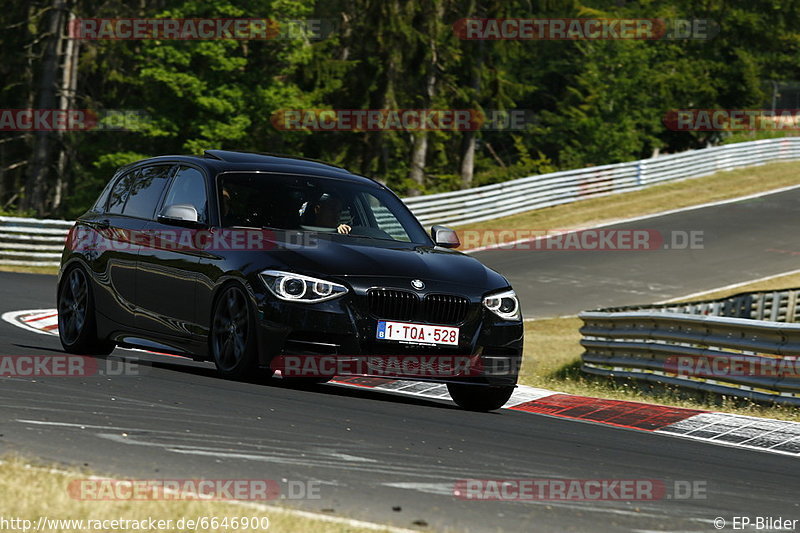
x: 417, y: 333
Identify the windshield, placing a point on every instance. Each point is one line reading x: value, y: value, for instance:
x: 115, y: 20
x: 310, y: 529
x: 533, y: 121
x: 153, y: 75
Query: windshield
x: 304, y: 203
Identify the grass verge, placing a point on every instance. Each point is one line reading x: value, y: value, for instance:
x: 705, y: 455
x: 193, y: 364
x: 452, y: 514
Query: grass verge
x: 29, y: 269
x: 772, y: 283
x: 672, y: 195
x: 30, y: 492
x: 552, y: 359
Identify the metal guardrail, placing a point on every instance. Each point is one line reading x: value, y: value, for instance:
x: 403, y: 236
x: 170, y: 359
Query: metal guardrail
x: 773, y: 306
x: 747, y: 345
x: 31, y: 241
x: 545, y: 190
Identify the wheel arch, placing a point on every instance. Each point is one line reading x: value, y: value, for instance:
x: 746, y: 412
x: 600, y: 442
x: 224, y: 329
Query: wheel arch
x: 223, y: 283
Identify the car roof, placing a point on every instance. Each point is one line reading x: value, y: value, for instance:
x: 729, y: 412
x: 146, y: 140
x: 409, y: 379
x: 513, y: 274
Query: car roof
x: 217, y: 161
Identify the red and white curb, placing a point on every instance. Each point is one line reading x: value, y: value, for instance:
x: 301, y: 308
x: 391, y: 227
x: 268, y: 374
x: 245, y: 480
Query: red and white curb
x: 36, y: 320
x: 762, y: 434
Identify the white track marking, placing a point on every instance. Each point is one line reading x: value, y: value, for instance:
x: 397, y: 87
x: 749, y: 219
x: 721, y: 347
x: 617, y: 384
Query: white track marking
x: 446, y: 489
x: 685, y: 429
x: 634, y: 219
x: 727, y: 287
x: 12, y: 317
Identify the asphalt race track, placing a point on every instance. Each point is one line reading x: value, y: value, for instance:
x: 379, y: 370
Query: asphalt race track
x: 373, y: 451
x: 743, y: 240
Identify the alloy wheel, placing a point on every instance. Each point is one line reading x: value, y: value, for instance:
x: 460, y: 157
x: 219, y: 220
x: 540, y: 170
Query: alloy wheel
x: 230, y: 330
x: 73, y: 305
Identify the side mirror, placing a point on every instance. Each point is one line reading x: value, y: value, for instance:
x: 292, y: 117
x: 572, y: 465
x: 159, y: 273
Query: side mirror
x: 445, y: 237
x: 179, y: 214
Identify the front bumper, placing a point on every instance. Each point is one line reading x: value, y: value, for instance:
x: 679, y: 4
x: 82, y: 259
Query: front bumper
x: 343, y: 328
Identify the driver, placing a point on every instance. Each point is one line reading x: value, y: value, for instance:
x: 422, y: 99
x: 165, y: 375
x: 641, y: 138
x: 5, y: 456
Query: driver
x: 327, y: 211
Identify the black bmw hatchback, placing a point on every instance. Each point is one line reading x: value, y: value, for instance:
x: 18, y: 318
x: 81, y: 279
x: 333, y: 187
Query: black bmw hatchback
x: 262, y: 263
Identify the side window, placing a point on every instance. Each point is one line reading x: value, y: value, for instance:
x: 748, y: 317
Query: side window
x: 384, y: 218
x: 189, y: 188
x: 146, y: 191
x: 116, y: 200
x: 100, y: 205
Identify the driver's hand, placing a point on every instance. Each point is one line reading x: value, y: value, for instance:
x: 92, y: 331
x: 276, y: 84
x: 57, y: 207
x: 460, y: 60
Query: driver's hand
x: 343, y: 229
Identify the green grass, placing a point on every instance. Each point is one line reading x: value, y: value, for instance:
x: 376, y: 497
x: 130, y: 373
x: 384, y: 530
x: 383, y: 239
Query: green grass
x: 28, y: 492
x: 773, y: 283
x: 672, y: 195
x: 29, y: 269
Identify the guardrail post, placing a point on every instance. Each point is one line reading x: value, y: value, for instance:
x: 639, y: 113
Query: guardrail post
x: 791, y: 306
x: 640, y: 167
x: 776, y: 307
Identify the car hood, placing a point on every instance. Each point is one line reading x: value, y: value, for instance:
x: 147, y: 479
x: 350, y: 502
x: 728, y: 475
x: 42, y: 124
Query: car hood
x: 386, y: 259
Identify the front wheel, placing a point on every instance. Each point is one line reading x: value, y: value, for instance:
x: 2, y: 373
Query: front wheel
x: 233, y: 337
x: 77, y: 325
x: 479, y: 397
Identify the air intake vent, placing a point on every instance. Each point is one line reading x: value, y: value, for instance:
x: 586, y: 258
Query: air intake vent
x: 445, y: 308
x: 393, y: 304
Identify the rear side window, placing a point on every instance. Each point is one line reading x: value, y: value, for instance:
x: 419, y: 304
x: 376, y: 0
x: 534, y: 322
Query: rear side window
x: 100, y: 205
x: 119, y: 193
x: 189, y: 188
x: 146, y: 191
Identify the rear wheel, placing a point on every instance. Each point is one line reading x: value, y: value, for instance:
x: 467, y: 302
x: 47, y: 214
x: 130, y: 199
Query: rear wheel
x: 77, y: 325
x: 479, y: 397
x: 233, y: 337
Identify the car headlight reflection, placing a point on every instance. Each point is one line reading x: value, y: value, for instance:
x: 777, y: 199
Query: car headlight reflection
x: 298, y: 288
x: 504, y: 304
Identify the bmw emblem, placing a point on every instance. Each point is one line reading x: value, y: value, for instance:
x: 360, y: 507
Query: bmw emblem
x: 417, y: 284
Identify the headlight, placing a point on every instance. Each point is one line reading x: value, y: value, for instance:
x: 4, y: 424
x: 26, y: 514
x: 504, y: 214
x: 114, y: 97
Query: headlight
x: 297, y: 288
x: 503, y: 304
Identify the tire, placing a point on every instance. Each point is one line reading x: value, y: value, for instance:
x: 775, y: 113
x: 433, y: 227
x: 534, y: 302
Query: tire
x: 77, y: 323
x: 479, y: 397
x: 232, y: 339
